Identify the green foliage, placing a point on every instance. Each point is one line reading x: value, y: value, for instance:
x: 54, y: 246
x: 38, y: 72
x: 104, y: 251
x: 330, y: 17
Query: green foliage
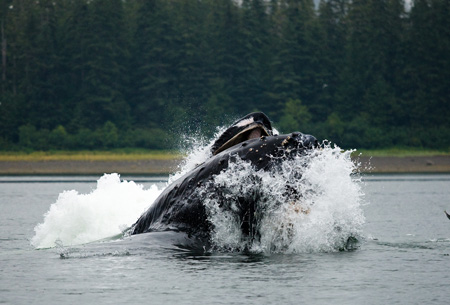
x: 150, y: 138
x: 58, y: 138
x: 107, y: 74
x: 106, y: 137
x: 295, y: 116
x: 86, y: 139
x: 109, y: 135
x: 27, y: 136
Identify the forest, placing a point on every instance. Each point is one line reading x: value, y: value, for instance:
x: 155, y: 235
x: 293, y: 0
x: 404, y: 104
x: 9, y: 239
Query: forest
x: 102, y: 74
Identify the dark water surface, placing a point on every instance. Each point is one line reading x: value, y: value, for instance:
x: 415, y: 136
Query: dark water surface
x: 404, y: 259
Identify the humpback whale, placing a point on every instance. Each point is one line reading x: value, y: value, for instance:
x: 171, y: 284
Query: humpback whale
x: 180, y: 207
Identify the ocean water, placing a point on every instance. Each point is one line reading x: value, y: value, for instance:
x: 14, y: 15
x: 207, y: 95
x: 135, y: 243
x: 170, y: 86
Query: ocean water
x: 62, y: 242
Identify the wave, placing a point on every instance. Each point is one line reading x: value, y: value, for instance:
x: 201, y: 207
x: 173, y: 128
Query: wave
x: 112, y: 207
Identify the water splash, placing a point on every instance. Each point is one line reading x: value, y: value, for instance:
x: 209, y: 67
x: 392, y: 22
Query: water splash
x: 111, y: 208
x: 197, y: 150
x: 310, y: 204
x: 82, y: 218
x: 324, y: 213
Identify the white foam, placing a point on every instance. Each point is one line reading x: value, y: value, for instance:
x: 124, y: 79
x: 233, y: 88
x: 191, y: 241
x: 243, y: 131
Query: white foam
x: 110, y: 208
x: 330, y: 198
x: 82, y: 218
x: 197, y: 151
x: 326, y: 214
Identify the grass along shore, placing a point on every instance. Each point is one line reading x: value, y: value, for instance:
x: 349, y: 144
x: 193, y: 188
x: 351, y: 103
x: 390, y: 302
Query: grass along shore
x: 90, y: 155
x: 143, y: 154
x: 140, y: 161
x: 401, y: 152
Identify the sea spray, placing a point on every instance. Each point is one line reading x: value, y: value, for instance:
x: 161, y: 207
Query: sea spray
x: 197, y: 150
x: 112, y: 207
x: 324, y: 213
x: 82, y: 218
x: 325, y: 217
x: 311, y: 203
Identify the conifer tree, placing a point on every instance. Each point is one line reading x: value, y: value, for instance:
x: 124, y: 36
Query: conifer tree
x: 154, y: 61
x: 253, y: 47
x: 104, y: 67
x: 363, y: 73
x: 222, y: 58
x: 430, y: 62
x: 295, y: 62
x: 372, y: 53
x: 332, y: 20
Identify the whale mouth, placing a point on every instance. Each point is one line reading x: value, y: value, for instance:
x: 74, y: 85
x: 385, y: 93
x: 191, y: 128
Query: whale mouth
x: 253, y: 131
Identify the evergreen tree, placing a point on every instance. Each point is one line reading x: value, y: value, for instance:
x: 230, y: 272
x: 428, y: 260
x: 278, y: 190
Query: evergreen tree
x: 223, y: 62
x: 296, y: 64
x: 45, y: 109
x: 99, y: 73
x: 332, y: 17
x: 253, y: 48
x: 372, y: 55
x: 103, y: 71
x: 154, y: 60
x: 191, y: 52
x: 429, y: 68
x: 20, y: 29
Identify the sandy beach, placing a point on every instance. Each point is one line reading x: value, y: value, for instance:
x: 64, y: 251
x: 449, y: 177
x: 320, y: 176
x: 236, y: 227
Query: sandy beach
x: 429, y: 164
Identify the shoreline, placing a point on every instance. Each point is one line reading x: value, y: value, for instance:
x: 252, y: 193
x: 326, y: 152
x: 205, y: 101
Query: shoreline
x: 403, y: 165
x: 88, y: 167
x: 375, y: 165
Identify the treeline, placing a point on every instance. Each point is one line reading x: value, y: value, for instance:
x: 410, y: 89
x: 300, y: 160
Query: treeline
x: 81, y: 74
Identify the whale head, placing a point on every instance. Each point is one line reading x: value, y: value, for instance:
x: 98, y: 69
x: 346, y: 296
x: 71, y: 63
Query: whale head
x: 253, y: 125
